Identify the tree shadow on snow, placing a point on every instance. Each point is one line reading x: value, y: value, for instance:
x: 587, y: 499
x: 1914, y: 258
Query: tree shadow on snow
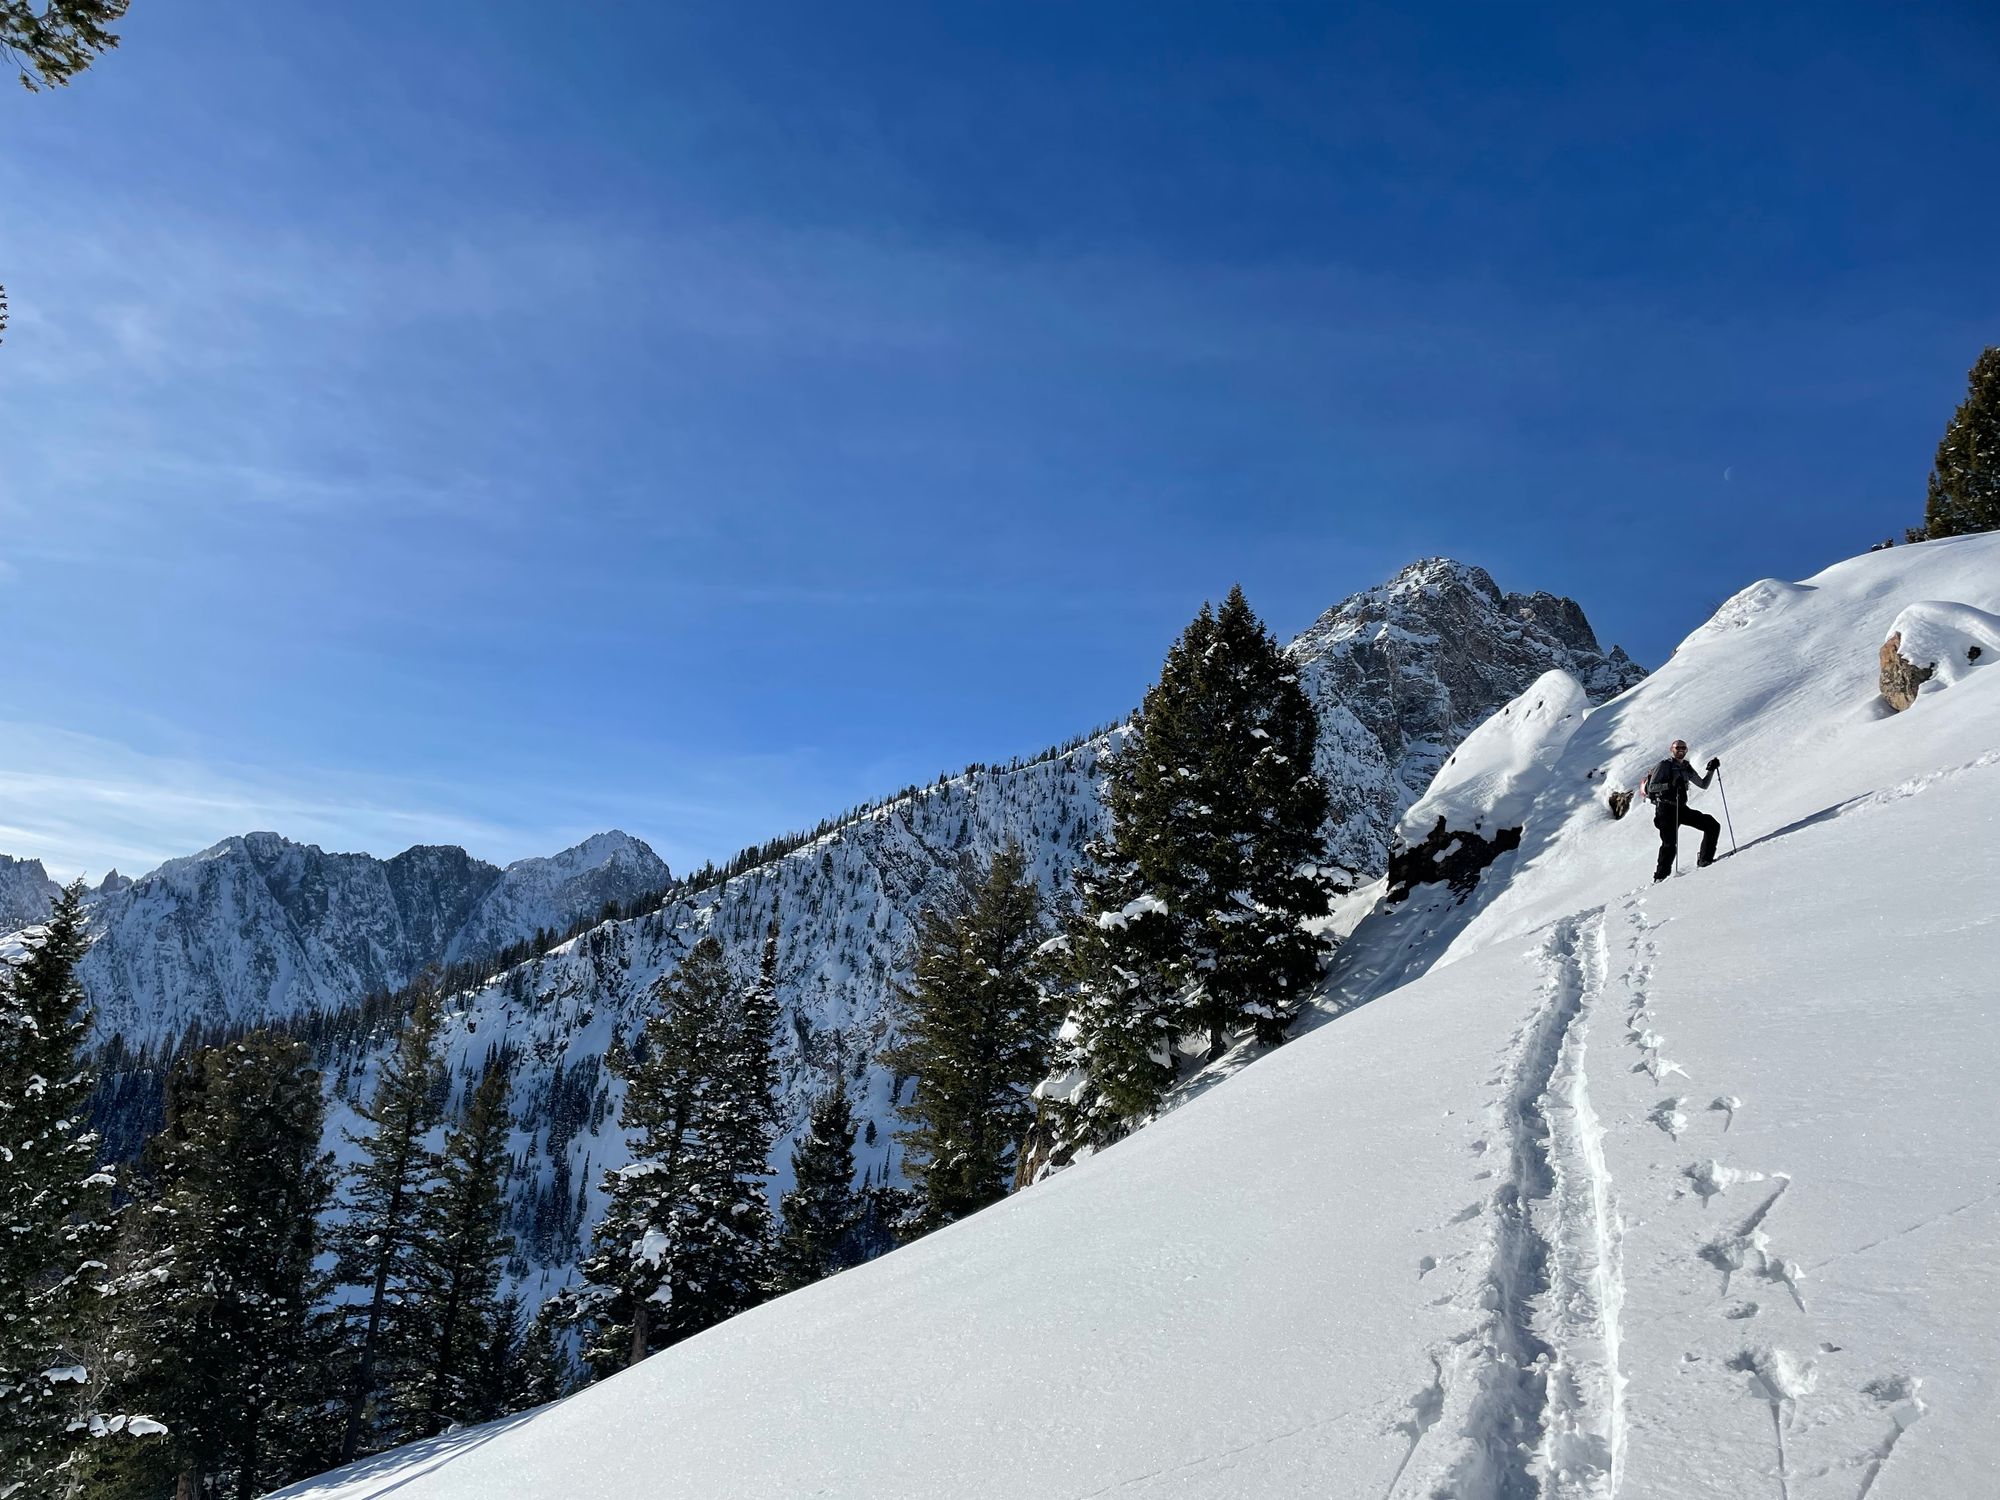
x: 405, y: 1465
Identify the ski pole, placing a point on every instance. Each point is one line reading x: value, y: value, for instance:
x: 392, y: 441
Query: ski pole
x: 1725, y: 809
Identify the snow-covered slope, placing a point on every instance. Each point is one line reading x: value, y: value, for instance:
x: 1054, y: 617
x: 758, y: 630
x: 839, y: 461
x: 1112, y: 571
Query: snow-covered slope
x: 260, y: 927
x: 1670, y: 1191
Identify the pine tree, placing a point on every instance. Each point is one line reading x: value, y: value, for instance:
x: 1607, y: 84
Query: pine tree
x: 720, y: 1236
x: 822, y: 1212
x: 386, y: 1187
x: 975, y: 1023
x: 1193, y: 922
x: 217, y: 1285
x: 455, y: 1314
x: 1965, y: 480
x: 538, y: 1372
x: 682, y: 1242
x: 54, y: 1204
x: 50, y: 43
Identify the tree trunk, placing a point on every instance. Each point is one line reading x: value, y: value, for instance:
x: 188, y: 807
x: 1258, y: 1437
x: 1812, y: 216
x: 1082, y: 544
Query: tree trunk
x: 186, y: 1486
x: 364, y: 1380
x: 447, y: 1356
x: 638, y: 1350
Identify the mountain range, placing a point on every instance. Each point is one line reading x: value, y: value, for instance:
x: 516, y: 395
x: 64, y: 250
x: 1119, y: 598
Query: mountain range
x: 1576, y: 1185
x: 259, y: 929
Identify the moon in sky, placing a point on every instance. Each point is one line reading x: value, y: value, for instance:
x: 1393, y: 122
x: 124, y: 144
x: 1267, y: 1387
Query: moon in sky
x: 1730, y: 472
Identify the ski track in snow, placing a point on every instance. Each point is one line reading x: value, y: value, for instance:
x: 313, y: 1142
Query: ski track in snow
x: 1547, y: 1419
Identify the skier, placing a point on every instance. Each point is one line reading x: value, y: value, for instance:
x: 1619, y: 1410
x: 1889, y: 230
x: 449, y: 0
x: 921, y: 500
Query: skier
x: 1666, y: 787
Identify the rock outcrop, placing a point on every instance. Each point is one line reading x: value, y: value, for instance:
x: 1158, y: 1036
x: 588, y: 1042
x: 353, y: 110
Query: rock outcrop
x: 1901, y: 679
x: 1401, y: 674
x: 1452, y: 857
x: 1935, y: 641
x: 26, y: 893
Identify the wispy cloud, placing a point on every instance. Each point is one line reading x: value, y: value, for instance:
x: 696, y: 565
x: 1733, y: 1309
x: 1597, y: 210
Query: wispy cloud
x: 82, y: 805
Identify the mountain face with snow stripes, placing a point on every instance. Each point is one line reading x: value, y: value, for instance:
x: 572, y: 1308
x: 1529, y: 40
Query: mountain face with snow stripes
x: 260, y: 928
x: 1454, y: 646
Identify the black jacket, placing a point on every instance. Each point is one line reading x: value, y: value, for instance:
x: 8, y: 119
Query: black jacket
x: 1668, y: 782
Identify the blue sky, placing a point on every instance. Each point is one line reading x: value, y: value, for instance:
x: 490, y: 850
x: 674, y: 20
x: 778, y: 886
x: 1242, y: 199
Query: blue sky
x: 476, y: 422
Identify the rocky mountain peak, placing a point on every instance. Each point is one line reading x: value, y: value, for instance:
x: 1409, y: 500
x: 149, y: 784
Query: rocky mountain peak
x: 1403, y: 672
x: 26, y: 892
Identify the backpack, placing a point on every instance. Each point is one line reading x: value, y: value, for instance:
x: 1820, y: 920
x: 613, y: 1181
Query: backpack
x: 1663, y: 791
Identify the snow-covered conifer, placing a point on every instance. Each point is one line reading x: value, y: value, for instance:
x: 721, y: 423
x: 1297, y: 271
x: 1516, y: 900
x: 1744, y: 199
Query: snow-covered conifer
x: 682, y: 1243
x: 376, y: 1243
x: 537, y: 1370
x: 214, y: 1300
x: 55, y: 1222
x: 455, y: 1306
x: 1965, y: 480
x: 975, y: 1024
x: 1195, y: 912
x: 821, y: 1213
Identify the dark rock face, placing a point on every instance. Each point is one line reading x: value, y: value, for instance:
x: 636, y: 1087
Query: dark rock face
x: 1900, y: 679
x: 1448, y: 858
x: 1401, y: 674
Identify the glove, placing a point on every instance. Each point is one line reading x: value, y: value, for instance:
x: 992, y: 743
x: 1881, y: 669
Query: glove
x: 1714, y: 763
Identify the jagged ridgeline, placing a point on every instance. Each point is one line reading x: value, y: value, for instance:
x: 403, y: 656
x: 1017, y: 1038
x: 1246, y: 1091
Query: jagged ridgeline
x: 1398, y: 676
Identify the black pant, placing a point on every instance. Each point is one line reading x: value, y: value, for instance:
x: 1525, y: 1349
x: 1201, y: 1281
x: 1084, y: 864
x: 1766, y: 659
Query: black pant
x: 1668, y: 817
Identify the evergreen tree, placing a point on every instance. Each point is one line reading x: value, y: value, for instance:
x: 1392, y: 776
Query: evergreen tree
x: 458, y: 1325
x: 49, y: 42
x: 975, y: 1023
x: 376, y: 1246
x: 725, y: 1227
x: 684, y: 1237
x: 538, y: 1371
x: 216, y: 1292
x: 54, y: 1207
x: 822, y: 1213
x: 1965, y: 480
x: 1193, y: 920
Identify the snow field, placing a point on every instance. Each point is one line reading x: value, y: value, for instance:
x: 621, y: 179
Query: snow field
x: 1617, y: 1190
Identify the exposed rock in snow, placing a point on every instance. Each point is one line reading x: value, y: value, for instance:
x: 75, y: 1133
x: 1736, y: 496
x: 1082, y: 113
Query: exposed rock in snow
x: 1448, y: 856
x: 1401, y: 674
x: 26, y: 892
x: 1935, y: 641
x: 1900, y: 678
x: 111, y: 885
x: 1476, y: 806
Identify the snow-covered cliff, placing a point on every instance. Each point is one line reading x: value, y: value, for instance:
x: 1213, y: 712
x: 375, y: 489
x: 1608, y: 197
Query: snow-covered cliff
x: 1399, y: 674
x: 259, y: 927
x: 25, y: 892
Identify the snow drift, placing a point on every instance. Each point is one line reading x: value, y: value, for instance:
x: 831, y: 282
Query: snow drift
x: 1615, y: 1189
